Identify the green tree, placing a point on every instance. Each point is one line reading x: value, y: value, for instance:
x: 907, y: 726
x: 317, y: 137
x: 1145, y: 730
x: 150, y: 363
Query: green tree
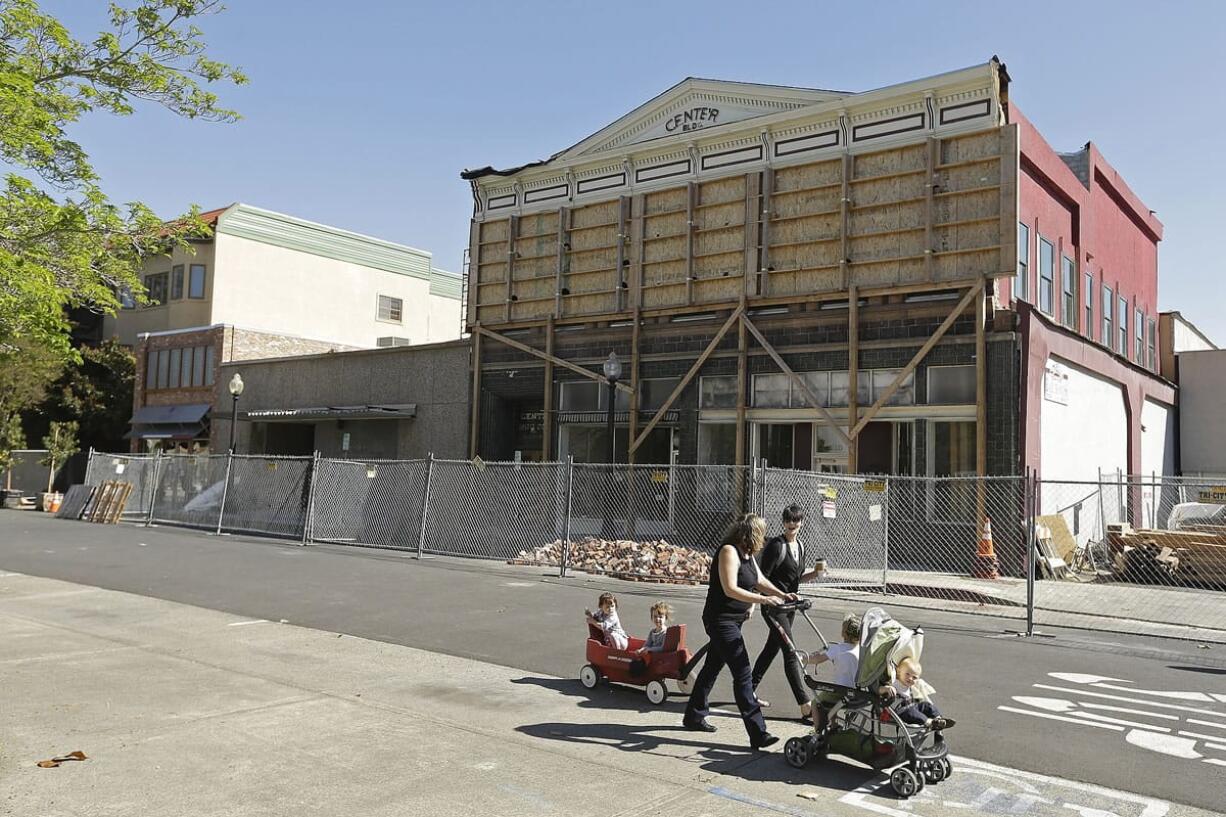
x: 96, y: 392
x: 11, y: 439
x: 63, y: 243
x: 61, y: 443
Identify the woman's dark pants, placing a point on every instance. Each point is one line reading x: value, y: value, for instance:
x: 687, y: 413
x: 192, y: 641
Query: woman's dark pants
x: 727, y: 648
x: 791, y: 664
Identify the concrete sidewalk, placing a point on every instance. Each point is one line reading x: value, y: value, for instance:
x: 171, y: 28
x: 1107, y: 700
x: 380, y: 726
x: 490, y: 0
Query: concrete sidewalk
x: 189, y: 711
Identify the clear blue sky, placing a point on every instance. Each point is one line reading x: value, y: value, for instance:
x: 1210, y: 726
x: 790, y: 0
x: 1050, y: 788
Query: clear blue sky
x: 362, y: 114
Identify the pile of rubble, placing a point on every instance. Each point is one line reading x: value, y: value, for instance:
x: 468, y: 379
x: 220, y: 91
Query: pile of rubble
x: 656, y: 561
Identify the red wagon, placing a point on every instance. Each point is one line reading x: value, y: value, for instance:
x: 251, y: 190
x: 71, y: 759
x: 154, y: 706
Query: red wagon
x: 671, y: 663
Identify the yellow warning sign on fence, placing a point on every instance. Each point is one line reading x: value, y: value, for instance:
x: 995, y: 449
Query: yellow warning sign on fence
x: 875, y: 485
x: 1215, y: 493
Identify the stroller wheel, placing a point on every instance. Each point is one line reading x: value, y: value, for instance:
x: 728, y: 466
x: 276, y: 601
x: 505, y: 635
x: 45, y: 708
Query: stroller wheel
x: 589, y: 676
x: 656, y: 692
x: 904, y: 782
x: 685, y: 685
x: 947, y: 768
x: 796, y: 752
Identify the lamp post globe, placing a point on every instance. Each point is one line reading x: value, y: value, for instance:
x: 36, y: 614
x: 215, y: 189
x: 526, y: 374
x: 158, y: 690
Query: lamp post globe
x: 236, y: 389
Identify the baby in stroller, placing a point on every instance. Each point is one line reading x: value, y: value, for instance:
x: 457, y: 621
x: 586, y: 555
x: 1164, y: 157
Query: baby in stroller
x: 862, y: 724
x: 912, y: 693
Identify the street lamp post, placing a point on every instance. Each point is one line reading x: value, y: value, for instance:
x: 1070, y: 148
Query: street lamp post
x: 236, y: 389
x: 613, y: 373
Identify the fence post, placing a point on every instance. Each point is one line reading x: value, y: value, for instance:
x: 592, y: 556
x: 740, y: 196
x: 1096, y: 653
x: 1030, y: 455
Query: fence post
x: 425, y: 505
x: 153, y: 486
x: 885, y: 539
x: 570, y: 484
x: 1032, y: 549
x: 225, y: 489
x: 308, y: 518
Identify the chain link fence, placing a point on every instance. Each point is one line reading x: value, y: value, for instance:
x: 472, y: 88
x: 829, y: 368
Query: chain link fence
x: 1122, y: 552
x: 1134, y: 549
x: 136, y: 469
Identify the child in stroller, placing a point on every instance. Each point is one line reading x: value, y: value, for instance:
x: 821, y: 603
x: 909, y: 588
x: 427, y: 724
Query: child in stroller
x: 862, y: 725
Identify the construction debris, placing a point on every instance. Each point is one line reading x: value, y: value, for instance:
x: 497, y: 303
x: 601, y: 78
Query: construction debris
x: 1165, y: 557
x: 654, y: 561
x: 56, y: 761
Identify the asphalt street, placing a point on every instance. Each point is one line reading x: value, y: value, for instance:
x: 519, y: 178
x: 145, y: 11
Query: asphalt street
x: 1110, y: 710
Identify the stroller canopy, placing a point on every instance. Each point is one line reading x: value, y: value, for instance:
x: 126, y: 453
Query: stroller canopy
x: 883, y: 643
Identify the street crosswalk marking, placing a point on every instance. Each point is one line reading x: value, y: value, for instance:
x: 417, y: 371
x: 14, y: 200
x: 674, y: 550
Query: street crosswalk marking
x: 1170, y: 741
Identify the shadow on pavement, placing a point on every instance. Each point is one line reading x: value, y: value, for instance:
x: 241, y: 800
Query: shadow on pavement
x: 1206, y: 670
x: 730, y: 756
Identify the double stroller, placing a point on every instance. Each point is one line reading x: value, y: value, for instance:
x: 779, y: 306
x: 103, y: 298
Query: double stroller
x: 859, y: 724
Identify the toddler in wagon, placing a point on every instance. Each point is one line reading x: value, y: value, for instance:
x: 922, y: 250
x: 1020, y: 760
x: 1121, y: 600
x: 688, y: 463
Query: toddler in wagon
x: 605, y: 618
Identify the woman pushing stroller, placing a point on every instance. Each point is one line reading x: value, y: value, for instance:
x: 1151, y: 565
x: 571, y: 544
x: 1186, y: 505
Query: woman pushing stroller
x: 735, y: 586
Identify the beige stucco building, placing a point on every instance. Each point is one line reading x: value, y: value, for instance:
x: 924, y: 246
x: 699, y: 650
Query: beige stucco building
x: 267, y: 285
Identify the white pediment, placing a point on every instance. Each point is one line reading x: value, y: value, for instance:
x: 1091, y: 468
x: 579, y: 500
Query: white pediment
x: 697, y: 105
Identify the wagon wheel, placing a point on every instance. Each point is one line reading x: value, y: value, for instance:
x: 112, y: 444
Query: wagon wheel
x: 904, y: 782
x: 685, y: 685
x: 589, y: 676
x: 656, y: 692
x: 796, y: 752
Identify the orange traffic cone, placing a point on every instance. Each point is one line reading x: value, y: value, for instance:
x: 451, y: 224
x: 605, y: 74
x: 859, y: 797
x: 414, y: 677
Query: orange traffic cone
x: 986, y: 566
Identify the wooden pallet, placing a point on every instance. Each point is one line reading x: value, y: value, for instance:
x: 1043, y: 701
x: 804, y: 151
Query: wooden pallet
x: 109, y: 500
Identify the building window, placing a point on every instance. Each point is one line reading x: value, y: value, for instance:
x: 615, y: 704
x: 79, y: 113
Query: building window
x: 390, y: 309
x: 1068, y: 304
x: 1108, y: 337
x: 818, y: 383
x: 717, y: 443
x: 1152, y: 346
x: 1047, y: 272
x: 1138, y: 320
x: 126, y: 301
x: 1089, y: 305
x: 771, y: 391
x: 195, y: 282
x: 951, y: 385
x: 155, y: 287
x: 1020, y: 282
x: 1123, y: 347
x: 717, y: 392
x: 182, y: 368
x: 581, y: 395
x: 176, y: 282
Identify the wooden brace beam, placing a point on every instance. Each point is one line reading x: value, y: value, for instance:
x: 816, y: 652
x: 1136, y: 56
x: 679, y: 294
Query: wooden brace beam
x: 976, y: 289
x: 554, y: 359
x: 810, y: 397
x: 737, y: 314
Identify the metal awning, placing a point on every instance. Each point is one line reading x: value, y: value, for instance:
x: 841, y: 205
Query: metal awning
x: 393, y: 411
x: 157, y: 415
x: 167, y: 431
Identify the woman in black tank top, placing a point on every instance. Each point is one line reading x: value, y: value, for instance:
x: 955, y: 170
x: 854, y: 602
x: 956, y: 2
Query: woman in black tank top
x: 735, y: 586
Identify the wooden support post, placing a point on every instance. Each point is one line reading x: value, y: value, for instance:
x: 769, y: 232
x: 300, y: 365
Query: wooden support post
x: 853, y: 375
x: 512, y: 235
x: 797, y: 381
x: 473, y: 282
x: 737, y: 314
x: 563, y: 253
x: 768, y: 191
x: 931, y: 162
x: 620, y: 301
x: 742, y: 377
x: 845, y: 223
x: 547, y: 413
x: 976, y: 289
x: 981, y: 405
x: 636, y: 254
x: 753, y: 233
x: 474, y: 429
x: 691, y: 197
x: 566, y: 364
x: 634, y: 382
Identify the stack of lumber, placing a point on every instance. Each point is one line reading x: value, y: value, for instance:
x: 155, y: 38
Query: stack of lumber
x: 655, y: 561
x: 1166, y: 556
x: 107, y: 502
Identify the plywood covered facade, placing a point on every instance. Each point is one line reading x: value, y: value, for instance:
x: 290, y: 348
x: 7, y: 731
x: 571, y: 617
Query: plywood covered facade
x: 710, y: 228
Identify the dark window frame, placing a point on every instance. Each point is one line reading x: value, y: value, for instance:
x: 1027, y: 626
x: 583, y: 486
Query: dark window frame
x: 192, y: 281
x: 1047, y: 277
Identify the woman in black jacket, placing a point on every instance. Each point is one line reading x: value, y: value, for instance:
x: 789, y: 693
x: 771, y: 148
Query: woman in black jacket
x: 782, y: 561
x: 733, y: 589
